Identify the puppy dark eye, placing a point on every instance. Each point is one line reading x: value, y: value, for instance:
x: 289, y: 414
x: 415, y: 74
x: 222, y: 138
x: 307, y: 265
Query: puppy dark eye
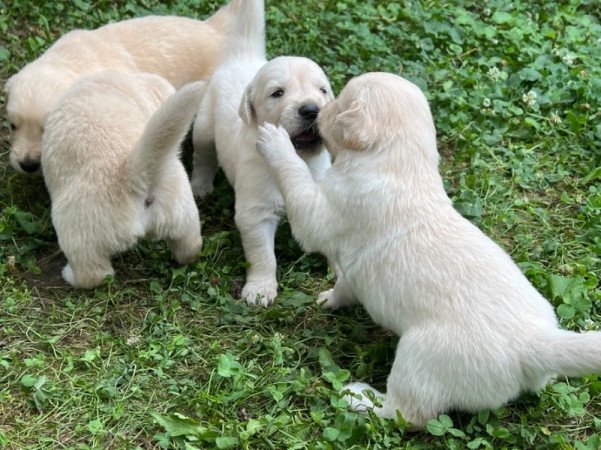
x: 13, y: 127
x: 277, y: 93
x: 323, y: 90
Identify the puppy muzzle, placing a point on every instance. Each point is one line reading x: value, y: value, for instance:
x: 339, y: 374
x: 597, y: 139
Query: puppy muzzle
x: 308, y: 137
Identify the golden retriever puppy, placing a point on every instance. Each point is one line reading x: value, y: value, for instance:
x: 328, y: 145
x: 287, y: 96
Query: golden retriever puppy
x: 247, y: 90
x: 474, y: 333
x: 179, y: 49
x: 110, y: 155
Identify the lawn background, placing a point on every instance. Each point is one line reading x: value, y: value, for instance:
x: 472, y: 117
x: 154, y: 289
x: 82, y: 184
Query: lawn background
x: 166, y: 357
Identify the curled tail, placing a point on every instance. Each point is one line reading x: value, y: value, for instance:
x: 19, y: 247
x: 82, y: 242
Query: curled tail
x: 163, y: 135
x: 247, y: 35
x: 571, y: 354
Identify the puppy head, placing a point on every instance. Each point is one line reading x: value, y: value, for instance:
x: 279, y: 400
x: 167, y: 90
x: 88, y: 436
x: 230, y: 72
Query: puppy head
x: 31, y: 95
x: 288, y: 91
x: 374, y: 110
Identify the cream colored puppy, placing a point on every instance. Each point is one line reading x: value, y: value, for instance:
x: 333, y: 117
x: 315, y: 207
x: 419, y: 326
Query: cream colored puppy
x: 179, y: 49
x: 110, y: 156
x: 474, y: 332
x: 247, y: 90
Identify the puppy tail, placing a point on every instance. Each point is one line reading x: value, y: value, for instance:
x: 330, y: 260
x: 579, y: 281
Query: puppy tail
x: 247, y: 35
x: 163, y: 135
x: 571, y: 354
x: 224, y: 19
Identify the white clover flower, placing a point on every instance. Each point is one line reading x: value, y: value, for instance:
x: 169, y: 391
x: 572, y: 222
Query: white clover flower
x: 495, y: 74
x: 486, y: 103
x: 554, y: 118
x: 529, y: 98
x: 568, y: 58
x: 486, y: 12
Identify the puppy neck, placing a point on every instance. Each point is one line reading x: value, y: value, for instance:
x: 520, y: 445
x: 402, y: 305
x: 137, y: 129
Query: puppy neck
x: 412, y: 175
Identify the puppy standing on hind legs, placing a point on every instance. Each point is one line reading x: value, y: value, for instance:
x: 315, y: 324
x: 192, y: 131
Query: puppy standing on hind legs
x: 474, y: 333
x: 247, y: 90
x: 110, y: 153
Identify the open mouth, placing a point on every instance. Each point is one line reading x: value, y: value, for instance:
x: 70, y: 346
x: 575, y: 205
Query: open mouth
x: 306, y: 139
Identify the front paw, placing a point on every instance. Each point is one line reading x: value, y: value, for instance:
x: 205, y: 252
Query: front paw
x: 272, y: 140
x: 260, y: 292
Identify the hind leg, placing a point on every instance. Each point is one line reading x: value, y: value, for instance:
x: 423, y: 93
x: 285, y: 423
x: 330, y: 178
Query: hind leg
x: 185, y: 250
x: 88, y: 273
x: 177, y: 218
x: 186, y: 242
x: 205, y: 162
x: 410, y: 388
x: 186, y: 247
x: 204, y: 169
x: 84, y: 245
x: 340, y: 295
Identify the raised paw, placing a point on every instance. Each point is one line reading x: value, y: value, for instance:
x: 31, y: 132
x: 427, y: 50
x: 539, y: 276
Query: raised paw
x: 260, y: 292
x: 272, y: 139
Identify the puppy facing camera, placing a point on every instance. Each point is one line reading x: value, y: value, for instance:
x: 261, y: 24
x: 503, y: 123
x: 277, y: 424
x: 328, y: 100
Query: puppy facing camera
x: 246, y: 91
x: 112, y: 168
x: 474, y: 333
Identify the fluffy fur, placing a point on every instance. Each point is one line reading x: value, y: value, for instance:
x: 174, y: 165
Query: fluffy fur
x: 246, y: 90
x: 179, y: 49
x: 474, y: 332
x: 110, y: 155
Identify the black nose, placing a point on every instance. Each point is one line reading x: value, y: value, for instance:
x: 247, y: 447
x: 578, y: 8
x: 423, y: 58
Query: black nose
x: 29, y: 165
x: 309, y: 111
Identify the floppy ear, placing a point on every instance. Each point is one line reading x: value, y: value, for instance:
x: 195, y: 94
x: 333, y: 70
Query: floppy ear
x: 246, y: 111
x: 357, y: 126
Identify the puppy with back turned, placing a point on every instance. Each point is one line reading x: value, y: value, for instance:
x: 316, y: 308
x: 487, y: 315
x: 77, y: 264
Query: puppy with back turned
x: 112, y: 168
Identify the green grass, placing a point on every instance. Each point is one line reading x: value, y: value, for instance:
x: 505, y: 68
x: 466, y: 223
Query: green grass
x: 166, y: 357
